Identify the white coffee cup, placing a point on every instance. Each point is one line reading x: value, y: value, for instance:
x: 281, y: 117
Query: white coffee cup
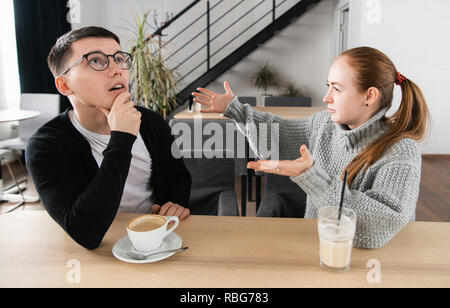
x: 147, y: 232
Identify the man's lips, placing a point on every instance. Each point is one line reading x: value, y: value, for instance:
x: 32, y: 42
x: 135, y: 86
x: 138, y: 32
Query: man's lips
x: 118, y: 85
x: 331, y: 110
x: 118, y: 91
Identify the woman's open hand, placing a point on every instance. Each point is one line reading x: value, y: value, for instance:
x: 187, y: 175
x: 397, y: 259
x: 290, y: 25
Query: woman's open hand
x: 285, y: 167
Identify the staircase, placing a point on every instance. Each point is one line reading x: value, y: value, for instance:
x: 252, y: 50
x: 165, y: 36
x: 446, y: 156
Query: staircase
x: 203, y: 72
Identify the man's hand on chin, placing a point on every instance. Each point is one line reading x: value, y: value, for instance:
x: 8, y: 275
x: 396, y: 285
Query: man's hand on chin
x: 171, y: 209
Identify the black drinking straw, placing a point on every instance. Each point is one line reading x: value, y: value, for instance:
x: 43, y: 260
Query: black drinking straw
x: 342, y: 195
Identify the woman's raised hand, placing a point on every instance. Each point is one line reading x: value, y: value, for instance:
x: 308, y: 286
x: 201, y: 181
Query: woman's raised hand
x: 215, y: 101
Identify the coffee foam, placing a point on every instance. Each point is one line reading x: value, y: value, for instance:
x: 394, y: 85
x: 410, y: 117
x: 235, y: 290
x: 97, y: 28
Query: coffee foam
x: 150, y: 218
x: 332, y: 230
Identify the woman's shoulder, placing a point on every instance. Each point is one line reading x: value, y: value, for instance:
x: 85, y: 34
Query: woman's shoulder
x: 404, y: 146
x: 405, y: 150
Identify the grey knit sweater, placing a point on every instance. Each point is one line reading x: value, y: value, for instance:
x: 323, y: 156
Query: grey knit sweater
x: 384, y: 198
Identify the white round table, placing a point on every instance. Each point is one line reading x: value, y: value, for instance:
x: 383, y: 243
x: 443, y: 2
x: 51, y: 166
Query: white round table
x: 10, y: 115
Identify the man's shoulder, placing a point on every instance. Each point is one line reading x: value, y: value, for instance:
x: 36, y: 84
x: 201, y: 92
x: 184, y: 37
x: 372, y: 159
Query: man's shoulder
x: 53, y: 127
x: 57, y: 131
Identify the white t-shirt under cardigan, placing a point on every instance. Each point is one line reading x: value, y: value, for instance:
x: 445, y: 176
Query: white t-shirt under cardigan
x: 137, y: 196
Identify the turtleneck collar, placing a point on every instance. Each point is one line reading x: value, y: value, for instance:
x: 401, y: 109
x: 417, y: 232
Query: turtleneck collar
x: 357, y: 139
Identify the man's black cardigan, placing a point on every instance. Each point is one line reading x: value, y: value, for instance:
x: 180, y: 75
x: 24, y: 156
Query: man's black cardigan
x: 84, y: 198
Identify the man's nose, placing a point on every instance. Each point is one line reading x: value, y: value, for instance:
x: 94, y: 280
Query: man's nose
x: 114, y: 68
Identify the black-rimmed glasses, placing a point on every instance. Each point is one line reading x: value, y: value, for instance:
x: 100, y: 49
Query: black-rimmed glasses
x: 99, y: 61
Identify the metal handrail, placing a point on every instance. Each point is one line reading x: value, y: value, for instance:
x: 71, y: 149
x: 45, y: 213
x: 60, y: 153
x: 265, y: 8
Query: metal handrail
x: 185, y: 44
x: 234, y: 38
x: 272, y: 11
x: 281, y: 3
x: 158, y: 31
x: 192, y: 23
x: 168, y: 23
x: 193, y: 54
x: 226, y: 13
x: 182, y: 31
x: 237, y: 20
x: 209, y: 41
x: 184, y: 76
x: 209, y: 55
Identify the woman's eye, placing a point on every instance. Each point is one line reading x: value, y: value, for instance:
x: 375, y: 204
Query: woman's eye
x: 336, y: 89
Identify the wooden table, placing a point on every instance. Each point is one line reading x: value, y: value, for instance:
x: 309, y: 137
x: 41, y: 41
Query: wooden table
x: 223, y: 252
x: 11, y: 115
x: 285, y: 112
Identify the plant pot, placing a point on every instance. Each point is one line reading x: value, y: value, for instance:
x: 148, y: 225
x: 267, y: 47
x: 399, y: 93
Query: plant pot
x: 262, y: 99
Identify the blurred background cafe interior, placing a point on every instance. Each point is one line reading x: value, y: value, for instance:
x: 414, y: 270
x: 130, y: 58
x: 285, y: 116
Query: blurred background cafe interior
x: 276, y: 56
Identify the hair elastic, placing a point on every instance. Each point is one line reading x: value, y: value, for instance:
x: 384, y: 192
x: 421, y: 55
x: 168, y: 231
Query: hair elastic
x: 399, y: 79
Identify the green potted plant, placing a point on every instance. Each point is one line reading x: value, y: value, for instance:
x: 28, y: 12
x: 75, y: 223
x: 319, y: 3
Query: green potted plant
x: 152, y: 83
x: 292, y: 90
x: 265, y: 78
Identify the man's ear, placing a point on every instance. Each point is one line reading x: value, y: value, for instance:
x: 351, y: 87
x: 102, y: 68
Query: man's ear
x: 62, y: 86
x: 372, y: 95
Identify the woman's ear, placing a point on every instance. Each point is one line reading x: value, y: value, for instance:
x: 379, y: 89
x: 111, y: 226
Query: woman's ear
x: 62, y: 86
x: 372, y: 96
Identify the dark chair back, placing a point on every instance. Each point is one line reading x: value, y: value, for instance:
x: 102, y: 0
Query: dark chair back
x: 212, y: 191
x: 209, y: 152
x: 221, y: 136
x: 285, y: 101
x: 251, y: 100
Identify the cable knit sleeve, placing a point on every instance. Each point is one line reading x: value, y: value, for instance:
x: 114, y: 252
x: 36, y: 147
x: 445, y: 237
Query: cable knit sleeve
x: 268, y: 133
x: 382, y: 210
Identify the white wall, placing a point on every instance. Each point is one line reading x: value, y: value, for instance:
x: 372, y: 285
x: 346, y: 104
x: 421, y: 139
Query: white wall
x: 4, y: 127
x: 9, y: 71
x: 414, y: 34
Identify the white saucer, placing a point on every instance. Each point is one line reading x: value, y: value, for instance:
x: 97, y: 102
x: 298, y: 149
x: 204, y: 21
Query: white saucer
x: 122, y: 246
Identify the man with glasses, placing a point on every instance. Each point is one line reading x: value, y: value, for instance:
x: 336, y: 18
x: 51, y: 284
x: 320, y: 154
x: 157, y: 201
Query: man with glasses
x: 105, y: 154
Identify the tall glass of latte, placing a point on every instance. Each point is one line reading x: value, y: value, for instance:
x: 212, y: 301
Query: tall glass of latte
x: 336, y: 237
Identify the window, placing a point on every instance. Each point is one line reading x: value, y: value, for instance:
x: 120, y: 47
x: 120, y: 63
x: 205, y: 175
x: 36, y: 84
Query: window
x: 9, y: 71
x: 343, y: 30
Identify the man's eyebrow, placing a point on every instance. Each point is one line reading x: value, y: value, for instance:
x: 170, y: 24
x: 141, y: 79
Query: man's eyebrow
x: 95, y: 51
x: 103, y: 51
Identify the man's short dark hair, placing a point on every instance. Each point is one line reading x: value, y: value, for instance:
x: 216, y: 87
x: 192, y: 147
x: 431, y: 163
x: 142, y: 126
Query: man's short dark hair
x: 61, y: 50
